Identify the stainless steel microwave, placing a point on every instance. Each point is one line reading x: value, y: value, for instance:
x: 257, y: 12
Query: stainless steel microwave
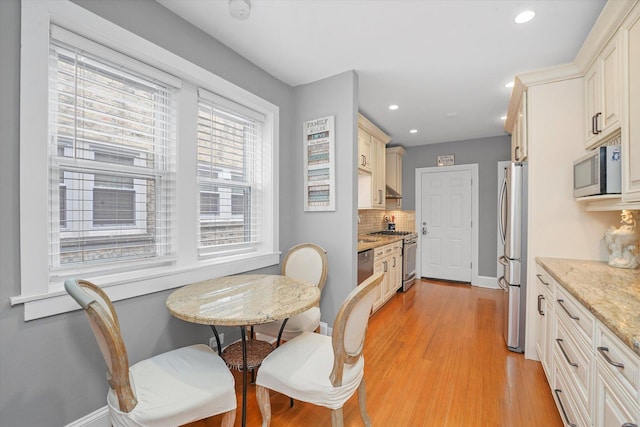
x: 598, y: 172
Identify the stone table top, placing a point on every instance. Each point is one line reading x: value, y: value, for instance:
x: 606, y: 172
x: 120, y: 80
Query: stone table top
x: 611, y: 294
x: 242, y: 300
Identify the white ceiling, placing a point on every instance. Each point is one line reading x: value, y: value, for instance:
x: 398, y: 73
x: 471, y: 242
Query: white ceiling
x: 433, y: 58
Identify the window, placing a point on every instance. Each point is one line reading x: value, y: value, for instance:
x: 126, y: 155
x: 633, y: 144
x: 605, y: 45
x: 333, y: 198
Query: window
x: 229, y: 179
x: 112, y: 130
x: 134, y: 174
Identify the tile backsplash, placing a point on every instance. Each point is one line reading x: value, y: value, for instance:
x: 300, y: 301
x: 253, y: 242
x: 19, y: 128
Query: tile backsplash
x: 373, y: 220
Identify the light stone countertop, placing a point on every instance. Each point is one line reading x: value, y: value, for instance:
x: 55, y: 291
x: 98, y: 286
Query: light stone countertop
x: 242, y: 300
x: 374, y: 241
x: 611, y: 294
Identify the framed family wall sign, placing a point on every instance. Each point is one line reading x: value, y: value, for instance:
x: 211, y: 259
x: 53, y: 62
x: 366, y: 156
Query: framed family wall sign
x: 319, y: 164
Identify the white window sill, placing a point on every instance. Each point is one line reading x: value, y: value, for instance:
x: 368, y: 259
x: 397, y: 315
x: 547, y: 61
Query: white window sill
x: 57, y: 301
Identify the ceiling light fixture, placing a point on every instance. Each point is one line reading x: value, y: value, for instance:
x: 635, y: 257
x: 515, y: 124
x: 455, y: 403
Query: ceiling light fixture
x: 240, y: 9
x: 525, y: 16
x: 393, y: 107
x: 413, y: 131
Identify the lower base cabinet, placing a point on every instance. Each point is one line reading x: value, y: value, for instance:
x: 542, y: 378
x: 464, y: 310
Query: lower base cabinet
x: 387, y: 259
x: 613, y: 406
x: 594, y: 376
x: 571, y: 412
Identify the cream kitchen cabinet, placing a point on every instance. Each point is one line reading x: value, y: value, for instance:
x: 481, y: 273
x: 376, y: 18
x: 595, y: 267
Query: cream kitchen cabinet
x: 364, y: 151
x: 379, y: 174
x: 387, y: 259
x: 617, y: 389
x: 631, y: 107
x: 595, y: 376
x: 624, y: 51
x: 394, y: 176
x: 613, y: 406
x: 545, y: 318
x: 372, y: 144
x: 519, y: 138
x: 602, y: 94
x: 573, y: 355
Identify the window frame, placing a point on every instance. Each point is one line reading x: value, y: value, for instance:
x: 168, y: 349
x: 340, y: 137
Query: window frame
x: 43, y: 297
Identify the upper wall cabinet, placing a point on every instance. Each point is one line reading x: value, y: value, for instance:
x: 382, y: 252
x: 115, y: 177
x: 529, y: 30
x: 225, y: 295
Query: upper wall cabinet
x: 631, y: 108
x: 372, y: 143
x: 602, y: 94
x: 612, y: 97
x: 519, y: 134
x: 394, y: 177
x: 516, y: 123
x: 364, y: 151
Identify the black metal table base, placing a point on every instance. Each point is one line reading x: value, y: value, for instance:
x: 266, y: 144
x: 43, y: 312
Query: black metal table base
x: 243, y: 336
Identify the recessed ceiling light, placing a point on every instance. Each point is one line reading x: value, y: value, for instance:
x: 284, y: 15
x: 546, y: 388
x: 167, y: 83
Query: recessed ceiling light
x: 452, y: 115
x: 393, y: 107
x: 503, y: 118
x: 510, y: 84
x: 240, y: 9
x: 413, y: 131
x: 525, y: 16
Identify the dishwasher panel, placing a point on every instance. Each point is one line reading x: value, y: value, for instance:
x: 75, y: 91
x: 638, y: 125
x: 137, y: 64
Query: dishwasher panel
x: 365, y: 265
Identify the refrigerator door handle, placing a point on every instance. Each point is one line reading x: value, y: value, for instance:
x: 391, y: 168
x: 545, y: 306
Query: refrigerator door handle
x: 503, y: 210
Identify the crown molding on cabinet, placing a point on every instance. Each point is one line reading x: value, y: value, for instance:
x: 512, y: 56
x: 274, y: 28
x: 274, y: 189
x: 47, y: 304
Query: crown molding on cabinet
x: 372, y: 129
x: 533, y: 78
x: 610, y: 19
x: 605, y: 27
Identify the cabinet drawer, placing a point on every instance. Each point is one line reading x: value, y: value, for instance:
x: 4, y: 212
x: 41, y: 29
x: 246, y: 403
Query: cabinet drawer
x: 622, y: 363
x: 576, y: 359
x: 381, y: 251
x: 613, y: 406
x: 547, y: 282
x: 571, y: 412
x: 577, y: 317
x: 386, y: 250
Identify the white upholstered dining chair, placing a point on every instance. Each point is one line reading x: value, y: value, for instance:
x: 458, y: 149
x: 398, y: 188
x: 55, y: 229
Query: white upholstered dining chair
x: 319, y: 369
x: 307, y: 262
x: 170, y: 389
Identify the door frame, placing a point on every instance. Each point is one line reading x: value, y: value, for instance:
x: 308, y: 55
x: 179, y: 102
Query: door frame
x: 473, y: 167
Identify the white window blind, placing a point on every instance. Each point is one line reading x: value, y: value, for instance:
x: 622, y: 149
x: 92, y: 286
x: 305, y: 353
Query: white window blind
x: 229, y: 176
x: 112, y: 157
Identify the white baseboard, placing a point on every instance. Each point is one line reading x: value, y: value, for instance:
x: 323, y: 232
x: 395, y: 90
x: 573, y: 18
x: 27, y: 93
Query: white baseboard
x: 98, y: 418
x: 486, y: 282
x: 325, y: 329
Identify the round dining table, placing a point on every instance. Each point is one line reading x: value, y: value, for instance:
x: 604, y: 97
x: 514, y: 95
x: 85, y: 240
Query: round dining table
x: 242, y: 300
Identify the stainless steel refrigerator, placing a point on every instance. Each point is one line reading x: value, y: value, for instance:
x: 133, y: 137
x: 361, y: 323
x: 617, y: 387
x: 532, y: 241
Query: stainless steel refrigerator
x: 513, y: 231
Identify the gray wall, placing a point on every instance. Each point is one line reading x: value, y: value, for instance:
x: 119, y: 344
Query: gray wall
x: 486, y: 152
x: 335, y: 231
x: 51, y: 372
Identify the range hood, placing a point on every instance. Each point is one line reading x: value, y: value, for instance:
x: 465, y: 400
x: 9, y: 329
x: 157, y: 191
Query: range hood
x: 392, y: 194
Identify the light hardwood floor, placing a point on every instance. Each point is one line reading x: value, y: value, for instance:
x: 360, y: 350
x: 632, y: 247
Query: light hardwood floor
x: 434, y: 356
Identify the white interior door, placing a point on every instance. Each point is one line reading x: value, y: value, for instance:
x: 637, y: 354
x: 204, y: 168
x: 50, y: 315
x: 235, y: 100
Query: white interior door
x: 445, y: 225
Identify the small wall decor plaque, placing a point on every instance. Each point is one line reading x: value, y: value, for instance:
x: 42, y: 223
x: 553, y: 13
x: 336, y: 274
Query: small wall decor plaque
x: 319, y: 164
x: 447, y: 160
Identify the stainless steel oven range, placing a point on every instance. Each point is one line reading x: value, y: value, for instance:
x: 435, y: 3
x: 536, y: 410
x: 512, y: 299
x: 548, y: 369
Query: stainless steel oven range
x: 409, y: 246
